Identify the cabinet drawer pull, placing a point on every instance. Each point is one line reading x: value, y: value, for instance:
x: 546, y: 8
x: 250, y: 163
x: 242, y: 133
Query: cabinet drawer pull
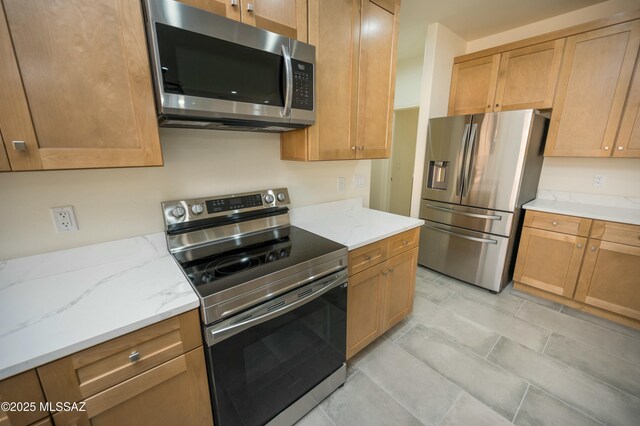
x: 135, y: 356
x: 367, y: 257
x: 620, y: 148
x: 579, y: 245
x: 554, y: 223
x: 390, y: 269
x: 405, y: 242
x: 385, y: 273
x: 606, y: 148
x: 593, y: 248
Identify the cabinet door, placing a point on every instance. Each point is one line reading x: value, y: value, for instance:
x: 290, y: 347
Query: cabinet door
x: 227, y: 8
x: 365, y: 299
x: 592, y: 88
x: 473, y: 85
x: 376, y: 81
x: 173, y: 393
x: 610, y: 278
x: 79, y: 94
x: 628, y: 140
x: 286, y: 17
x: 528, y: 76
x: 549, y: 261
x: 334, y: 28
x: 400, y: 287
x: 4, y: 160
x: 24, y: 387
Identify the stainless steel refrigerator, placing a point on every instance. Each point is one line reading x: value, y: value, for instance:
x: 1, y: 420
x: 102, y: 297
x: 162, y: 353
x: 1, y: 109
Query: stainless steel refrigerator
x: 479, y: 171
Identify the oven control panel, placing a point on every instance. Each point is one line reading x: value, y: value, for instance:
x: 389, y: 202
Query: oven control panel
x: 184, y: 211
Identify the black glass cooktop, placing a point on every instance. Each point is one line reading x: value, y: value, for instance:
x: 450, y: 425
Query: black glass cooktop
x: 222, y: 265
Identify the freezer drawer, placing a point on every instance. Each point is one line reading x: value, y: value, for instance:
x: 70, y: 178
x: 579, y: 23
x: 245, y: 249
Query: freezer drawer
x: 481, y: 220
x: 474, y: 257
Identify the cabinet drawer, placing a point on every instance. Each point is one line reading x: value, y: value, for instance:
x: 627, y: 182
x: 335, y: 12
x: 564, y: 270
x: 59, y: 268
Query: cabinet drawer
x: 24, y: 387
x: 367, y: 256
x: 88, y: 372
x: 403, y: 242
x: 616, y: 232
x: 558, y: 223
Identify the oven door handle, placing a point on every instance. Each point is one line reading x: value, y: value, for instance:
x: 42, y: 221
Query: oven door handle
x: 220, y: 332
x: 288, y: 73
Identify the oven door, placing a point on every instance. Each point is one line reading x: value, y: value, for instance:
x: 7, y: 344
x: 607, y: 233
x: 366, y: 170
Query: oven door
x: 212, y: 67
x: 264, y: 360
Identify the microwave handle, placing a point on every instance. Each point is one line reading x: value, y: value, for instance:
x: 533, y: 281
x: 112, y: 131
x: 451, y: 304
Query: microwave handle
x: 288, y: 72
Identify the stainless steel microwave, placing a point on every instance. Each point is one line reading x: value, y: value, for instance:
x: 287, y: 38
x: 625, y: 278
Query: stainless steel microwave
x: 217, y: 73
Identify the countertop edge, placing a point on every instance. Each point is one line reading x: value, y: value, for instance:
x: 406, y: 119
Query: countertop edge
x: 41, y: 360
x: 582, y: 210
x: 385, y: 235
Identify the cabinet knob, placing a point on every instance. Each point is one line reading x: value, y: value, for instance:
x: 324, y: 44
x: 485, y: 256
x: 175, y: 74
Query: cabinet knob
x: 367, y: 257
x: 385, y: 273
x: 489, y: 106
x: 405, y: 242
x: 497, y: 105
x: 354, y: 147
x: 554, y: 223
x: 620, y: 148
x: 250, y: 7
x: 579, y: 245
x: 19, y: 145
x: 606, y: 148
x: 135, y: 356
x: 594, y: 248
x: 390, y: 269
x: 234, y: 3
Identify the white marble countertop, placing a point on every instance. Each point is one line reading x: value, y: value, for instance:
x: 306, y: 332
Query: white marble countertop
x: 609, y: 208
x: 55, y: 304
x: 348, y: 223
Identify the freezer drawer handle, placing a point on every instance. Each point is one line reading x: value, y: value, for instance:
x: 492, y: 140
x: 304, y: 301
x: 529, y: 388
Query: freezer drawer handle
x: 464, y: 237
x: 479, y: 216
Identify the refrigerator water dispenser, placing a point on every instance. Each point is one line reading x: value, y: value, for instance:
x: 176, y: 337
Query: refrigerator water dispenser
x: 437, y: 175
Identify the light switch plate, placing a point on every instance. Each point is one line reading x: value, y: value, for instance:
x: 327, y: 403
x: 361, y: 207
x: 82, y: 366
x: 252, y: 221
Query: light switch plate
x: 341, y: 184
x: 359, y: 181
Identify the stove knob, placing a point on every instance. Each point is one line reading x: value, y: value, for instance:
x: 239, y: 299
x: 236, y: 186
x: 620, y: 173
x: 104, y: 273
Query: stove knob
x: 271, y: 257
x: 281, y: 197
x: 197, y: 208
x: 269, y: 198
x: 178, y: 212
x: 283, y: 253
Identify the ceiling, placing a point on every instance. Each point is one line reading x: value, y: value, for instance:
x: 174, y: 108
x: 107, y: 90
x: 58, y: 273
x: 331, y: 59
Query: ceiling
x: 473, y: 19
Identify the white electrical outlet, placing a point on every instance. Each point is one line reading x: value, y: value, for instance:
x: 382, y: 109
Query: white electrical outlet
x: 341, y: 184
x: 64, y: 219
x: 599, y: 180
x: 359, y: 181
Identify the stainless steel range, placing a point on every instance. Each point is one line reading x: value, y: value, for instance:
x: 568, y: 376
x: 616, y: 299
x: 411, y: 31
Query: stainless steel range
x: 273, y: 303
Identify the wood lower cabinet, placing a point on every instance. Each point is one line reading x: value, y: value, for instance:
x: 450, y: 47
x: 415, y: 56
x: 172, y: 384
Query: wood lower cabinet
x: 355, y: 44
x: 381, y: 294
x: 172, y: 393
x: 600, y: 275
x: 549, y: 260
x: 22, y: 388
x: 77, y: 92
x: 592, y: 88
x: 473, y: 85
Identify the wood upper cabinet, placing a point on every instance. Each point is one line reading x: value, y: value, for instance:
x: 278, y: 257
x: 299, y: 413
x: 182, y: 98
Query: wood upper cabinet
x: 365, y: 299
x: 610, y: 278
x: 593, y: 84
x: 355, y: 44
x: 286, y: 17
x: 628, y: 140
x: 376, y: 80
x: 78, y: 90
x: 22, y: 388
x: 528, y: 76
x: 473, y: 85
x: 400, y: 287
x: 549, y: 260
x: 227, y: 8
x: 172, y: 393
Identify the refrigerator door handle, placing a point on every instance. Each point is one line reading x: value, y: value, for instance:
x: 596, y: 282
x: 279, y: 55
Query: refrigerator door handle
x: 468, y: 163
x: 464, y: 237
x: 476, y: 215
x: 465, y: 135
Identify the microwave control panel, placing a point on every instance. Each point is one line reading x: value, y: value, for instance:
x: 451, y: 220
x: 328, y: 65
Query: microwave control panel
x: 302, y: 85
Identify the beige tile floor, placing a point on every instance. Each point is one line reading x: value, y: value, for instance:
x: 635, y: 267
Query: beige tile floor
x: 468, y: 357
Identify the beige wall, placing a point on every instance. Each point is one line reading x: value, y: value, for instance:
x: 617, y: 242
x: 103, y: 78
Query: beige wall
x: 408, y: 80
x: 118, y: 203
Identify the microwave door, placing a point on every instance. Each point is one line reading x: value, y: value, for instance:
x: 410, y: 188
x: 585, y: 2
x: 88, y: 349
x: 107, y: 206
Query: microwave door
x: 446, y: 141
